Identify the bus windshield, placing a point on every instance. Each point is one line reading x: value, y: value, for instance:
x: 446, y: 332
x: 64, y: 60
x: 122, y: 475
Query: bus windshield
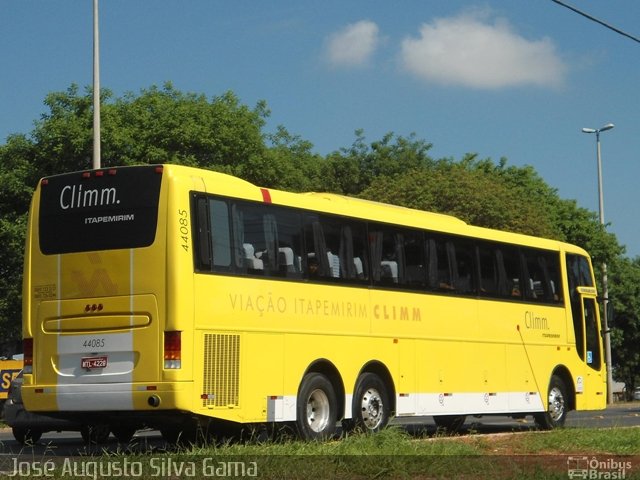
x: 107, y: 209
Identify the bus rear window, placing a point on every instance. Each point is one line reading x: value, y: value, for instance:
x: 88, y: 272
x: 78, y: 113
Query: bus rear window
x: 99, y: 210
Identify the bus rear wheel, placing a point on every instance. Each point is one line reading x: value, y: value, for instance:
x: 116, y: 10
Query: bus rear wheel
x: 558, y: 405
x: 316, y: 410
x: 95, y: 434
x: 123, y: 434
x: 371, y: 409
x: 26, y: 436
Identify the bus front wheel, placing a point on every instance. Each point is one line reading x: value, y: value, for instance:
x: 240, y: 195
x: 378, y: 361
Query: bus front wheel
x: 316, y: 410
x: 371, y: 409
x: 558, y: 405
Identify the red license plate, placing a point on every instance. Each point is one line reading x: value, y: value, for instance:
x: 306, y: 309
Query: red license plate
x: 90, y: 363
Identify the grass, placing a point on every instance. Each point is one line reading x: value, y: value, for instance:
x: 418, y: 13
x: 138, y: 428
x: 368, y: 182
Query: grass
x: 391, y: 454
x: 396, y: 441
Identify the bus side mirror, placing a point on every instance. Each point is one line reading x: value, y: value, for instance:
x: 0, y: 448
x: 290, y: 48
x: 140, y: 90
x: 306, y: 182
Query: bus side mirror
x: 610, y: 314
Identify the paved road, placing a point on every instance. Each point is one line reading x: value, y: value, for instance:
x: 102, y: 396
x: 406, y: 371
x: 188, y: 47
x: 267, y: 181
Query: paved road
x: 70, y: 443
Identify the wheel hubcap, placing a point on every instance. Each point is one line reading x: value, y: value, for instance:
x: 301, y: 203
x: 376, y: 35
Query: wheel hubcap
x: 372, y: 409
x: 556, y: 404
x: 318, y: 411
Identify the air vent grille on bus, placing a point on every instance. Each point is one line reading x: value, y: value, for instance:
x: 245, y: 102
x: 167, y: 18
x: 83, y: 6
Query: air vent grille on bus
x: 221, y: 370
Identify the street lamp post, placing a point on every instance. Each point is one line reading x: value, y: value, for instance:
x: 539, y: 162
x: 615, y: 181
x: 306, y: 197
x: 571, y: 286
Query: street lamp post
x: 96, y: 88
x: 605, y: 287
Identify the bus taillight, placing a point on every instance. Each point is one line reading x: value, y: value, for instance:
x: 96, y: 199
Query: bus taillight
x: 27, y: 349
x: 172, y: 350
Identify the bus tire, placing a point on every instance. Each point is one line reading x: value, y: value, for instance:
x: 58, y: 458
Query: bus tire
x: 123, y: 434
x: 95, y: 434
x: 317, y: 408
x: 182, y: 437
x: 558, y: 405
x: 371, y: 406
x: 26, y: 436
x: 449, y: 423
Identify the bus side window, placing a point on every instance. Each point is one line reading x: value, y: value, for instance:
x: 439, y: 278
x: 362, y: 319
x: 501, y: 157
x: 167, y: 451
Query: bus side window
x: 248, y: 234
x: 510, y: 270
x: 499, y: 271
x: 432, y: 263
x: 336, y: 249
x: 489, y: 271
x: 202, y: 242
x: 317, y: 260
x: 220, y: 235
x: 392, y: 262
x: 579, y: 272
x: 535, y: 287
x: 415, y: 269
x: 465, y: 267
x: 359, y: 251
x: 543, y: 271
x: 445, y: 258
x: 388, y: 256
x: 553, y: 273
x: 352, y: 254
x: 288, y: 244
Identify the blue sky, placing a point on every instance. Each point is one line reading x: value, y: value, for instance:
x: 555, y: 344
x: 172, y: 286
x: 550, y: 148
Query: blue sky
x: 500, y: 78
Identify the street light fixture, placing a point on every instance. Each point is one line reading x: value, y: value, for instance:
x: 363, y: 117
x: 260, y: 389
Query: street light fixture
x: 605, y: 287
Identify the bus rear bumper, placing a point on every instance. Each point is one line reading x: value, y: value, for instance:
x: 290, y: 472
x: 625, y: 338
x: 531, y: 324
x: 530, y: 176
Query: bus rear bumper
x: 96, y: 397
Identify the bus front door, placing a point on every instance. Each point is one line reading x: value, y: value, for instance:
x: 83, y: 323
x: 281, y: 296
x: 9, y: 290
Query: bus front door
x: 592, y: 385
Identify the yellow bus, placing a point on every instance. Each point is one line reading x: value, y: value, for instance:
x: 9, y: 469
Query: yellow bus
x: 179, y: 298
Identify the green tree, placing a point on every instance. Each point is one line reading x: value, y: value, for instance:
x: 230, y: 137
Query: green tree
x: 166, y: 125
x: 624, y: 292
x: 288, y: 164
x: 467, y: 190
x: 17, y: 180
x: 351, y: 170
x: 159, y: 125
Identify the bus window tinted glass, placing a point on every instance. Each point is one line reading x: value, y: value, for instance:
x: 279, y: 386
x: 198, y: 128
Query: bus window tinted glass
x: 464, y: 267
x: 220, y: 233
x: 542, y: 280
x: 578, y: 273
x: 489, y: 271
x: 118, y: 209
x: 270, y: 239
x: 593, y: 354
x: 444, y: 264
x: 415, y: 271
x: 335, y: 249
x: 398, y: 256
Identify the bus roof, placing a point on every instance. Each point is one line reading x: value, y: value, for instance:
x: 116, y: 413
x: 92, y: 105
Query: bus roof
x: 366, y: 209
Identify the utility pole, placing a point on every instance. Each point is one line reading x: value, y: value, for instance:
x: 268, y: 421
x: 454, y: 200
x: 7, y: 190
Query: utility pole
x: 96, y: 88
x: 605, y: 282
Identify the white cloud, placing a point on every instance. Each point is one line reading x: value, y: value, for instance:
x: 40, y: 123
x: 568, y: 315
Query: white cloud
x: 354, y: 45
x: 468, y: 50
